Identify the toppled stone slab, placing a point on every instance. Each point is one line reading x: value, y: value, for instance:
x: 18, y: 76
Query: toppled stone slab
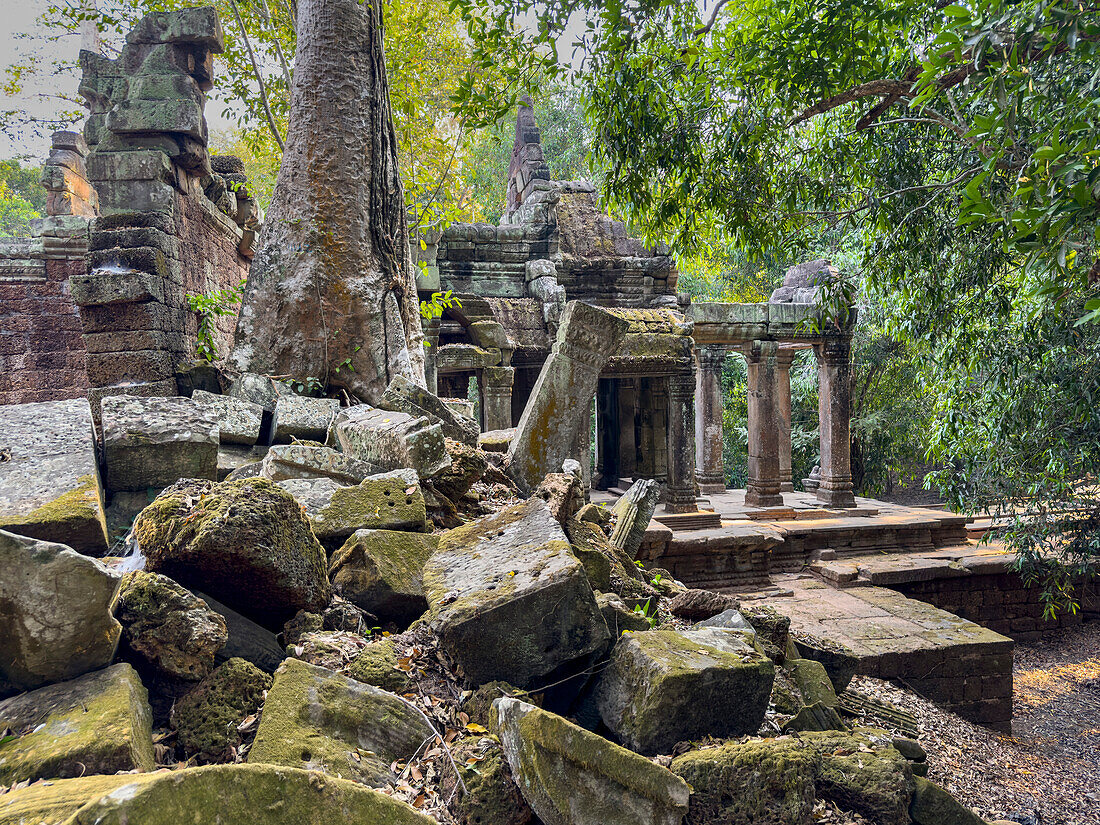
x: 285, y: 461
x: 154, y: 442
x: 511, y: 578
x: 382, y: 571
x: 55, y: 608
x: 245, y: 542
x: 96, y: 723
x: 633, y: 512
x: 664, y: 687
x: 302, y: 417
x: 571, y: 776
x: 496, y: 441
x: 388, y: 501
x: 207, y: 719
x: 48, y: 485
x: 392, y: 440
x: 238, y: 421
x: 230, y: 793
x: 319, y: 720
x: 168, y: 627
x: 402, y: 395
x: 557, y: 411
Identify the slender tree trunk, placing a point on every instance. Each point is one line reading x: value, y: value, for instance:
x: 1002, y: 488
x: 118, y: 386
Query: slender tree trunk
x: 331, y: 293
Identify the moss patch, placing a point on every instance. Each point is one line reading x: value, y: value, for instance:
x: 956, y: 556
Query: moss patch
x: 377, y: 665
x: 207, y: 718
x: 382, y: 571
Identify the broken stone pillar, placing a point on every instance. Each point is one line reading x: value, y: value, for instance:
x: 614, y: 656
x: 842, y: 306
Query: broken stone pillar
x: 763, y: 488
x: 65, y: 178
x: 680, y: 490
x: 710, y: 465
x: 783, y: 361
x: 562, y: 396
x: 496, y: 395
x: 431, y: 341
x: 834, y: 380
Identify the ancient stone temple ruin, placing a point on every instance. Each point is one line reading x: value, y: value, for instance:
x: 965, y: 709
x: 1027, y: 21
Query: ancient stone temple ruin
x: 546, y: 519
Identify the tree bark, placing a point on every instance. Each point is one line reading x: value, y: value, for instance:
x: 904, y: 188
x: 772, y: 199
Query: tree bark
x: 331, y: 293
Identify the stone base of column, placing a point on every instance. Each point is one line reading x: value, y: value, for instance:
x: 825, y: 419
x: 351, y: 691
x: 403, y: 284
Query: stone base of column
x: 710, y: 484
x: 836, y: 494
x: 680, y: 501
x: 786, y: 487
x: 755, y: 497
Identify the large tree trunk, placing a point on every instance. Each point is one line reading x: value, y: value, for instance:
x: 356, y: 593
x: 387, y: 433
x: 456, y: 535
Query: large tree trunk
x: 331, y: 293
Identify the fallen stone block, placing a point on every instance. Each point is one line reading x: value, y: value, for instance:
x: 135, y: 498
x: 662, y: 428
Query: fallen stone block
x: 392, y: 440
x: 402, y: 395
x: 633, y: 512
x: 259, y: 390
x: 319, y: 720
x: 238, y: 421
x: 839, y: 661
x: 557, y: 411
x: 302, y: 417
x: 169, y: 628
x: 699, y: 605
x: 663, y: 687
x: 285, y: 461
x: 236, y: 461
x: 511, y: 578
x: 154, y: 442
x: 496, y: 441
x: 377, y: 664
x: 620, y: 619
x: 382, y: 571
x: 468, y: 466
x: 55, y: 608
x: 932, y: 805
x: 388, y: 501
x: 48, y: 486
x: 571, y: 776
x: 207, y: 719
x: 229, y: 793
x: 247, y: 640
x: 247, y: 543
x: 97, y: 723
x: 563, y: 494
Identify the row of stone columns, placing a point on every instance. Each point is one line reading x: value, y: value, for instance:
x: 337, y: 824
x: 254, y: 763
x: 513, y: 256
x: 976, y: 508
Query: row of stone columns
x: 769, y: 421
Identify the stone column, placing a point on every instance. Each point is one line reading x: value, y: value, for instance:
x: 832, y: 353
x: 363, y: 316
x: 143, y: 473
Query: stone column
x: 763, y: 476
x: 783, y: 362
x: 680, y: 491
x: 431, y: 338
x: 626, y: 400
x: 496, y: 394
x: 834, y: 389
x: 710, y: 468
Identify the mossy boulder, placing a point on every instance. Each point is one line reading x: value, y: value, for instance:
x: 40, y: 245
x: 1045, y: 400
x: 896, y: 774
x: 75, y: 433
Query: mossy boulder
x: 390, y: 501
x: 509, y: 600
x: 839, y: 661
x: 247, y: 543
x: 330, y: 649
x: 932, y: 805
x: 492, y: 797
x: 662, y: 687
x: 302, y: 623
x: 757, y: 782
x: 861, y: 771
x: 571, y: 776
x: 382, y: 571
x: 56, y: 613
x: 620, y: 618
x: 54, y: 803
x: 800, y: 683
x: 468, y: 465
x: 96, y: 723
x: 317, y: 719
x: 215, y: 793
x: 377, y: 664
x: 74, y: 518
x: 206, y: 719
x: 169, y: 628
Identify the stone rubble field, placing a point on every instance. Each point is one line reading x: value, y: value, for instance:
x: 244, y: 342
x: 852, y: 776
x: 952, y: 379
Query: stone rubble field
x: 363, y: 620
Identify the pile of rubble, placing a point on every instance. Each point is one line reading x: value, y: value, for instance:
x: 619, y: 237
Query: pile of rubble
x: 364, y: 622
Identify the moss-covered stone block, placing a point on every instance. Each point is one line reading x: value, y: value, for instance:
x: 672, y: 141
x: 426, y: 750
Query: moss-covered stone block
x: 389, y: 501
x: 862, y: 772
x: 508, y: 598
x: 382, y: 571
x: 662, y: 687
x: 168, y: 627
x: 247, y: 543
x: 571, y: 776
x: 215, y: 793
x: 74, y: 518
x: 757, y: 782
x: 96, y: 723
x: 377, y: 664
x: 319, y: 720
x: 492, y: 797
x: 206, y: 719
x: 932, y: 805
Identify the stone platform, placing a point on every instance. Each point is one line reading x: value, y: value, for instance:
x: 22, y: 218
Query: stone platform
x: 959, y: 664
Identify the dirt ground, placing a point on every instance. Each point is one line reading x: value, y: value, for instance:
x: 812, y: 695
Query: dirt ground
x: 1048, y: 771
